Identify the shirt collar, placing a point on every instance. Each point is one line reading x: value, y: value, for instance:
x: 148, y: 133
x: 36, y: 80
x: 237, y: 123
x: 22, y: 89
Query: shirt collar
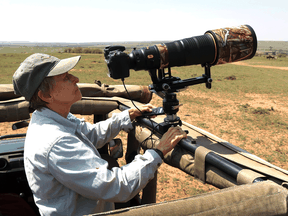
x: 71, y: 122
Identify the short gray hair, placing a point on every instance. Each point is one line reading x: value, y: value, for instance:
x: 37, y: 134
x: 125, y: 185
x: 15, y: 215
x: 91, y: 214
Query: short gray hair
x: 46, y: 85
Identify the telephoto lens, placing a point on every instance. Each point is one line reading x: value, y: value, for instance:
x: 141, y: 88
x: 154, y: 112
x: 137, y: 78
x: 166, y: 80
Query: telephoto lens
x: 218, y: 46
x: 215, y: 47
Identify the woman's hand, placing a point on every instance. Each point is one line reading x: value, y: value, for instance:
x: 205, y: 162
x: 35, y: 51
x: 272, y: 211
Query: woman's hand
x: 170, y: 139
x: 134, y: 112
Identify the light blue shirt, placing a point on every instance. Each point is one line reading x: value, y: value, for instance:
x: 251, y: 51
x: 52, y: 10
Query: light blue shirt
x: 65, y: 171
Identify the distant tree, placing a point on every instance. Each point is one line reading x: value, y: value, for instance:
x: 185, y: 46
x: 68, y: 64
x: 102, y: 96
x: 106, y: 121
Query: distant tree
x: 87, y: 50
x: 68, y: 50
x: 77, y: 50
x: 97, y: 51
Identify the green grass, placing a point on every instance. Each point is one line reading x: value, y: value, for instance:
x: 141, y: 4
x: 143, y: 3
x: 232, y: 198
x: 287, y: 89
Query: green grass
x: 263, y: 118
x: 34, y: 49
x: 280, y: 62
x: 8, y: 65
x: 248, y: 80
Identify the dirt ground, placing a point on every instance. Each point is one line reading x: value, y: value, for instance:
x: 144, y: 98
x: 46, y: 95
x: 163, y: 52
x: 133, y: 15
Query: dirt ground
x: 260, y: 66
x: 173, y: 183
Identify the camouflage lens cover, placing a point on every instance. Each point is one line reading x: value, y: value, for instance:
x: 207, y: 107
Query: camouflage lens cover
x: 234, y: 43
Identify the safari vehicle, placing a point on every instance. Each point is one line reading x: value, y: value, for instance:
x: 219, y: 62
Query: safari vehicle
x: 248, y: 185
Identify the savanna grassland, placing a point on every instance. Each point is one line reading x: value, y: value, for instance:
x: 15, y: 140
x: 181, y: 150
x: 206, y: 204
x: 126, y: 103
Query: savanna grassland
x: 247, y: 106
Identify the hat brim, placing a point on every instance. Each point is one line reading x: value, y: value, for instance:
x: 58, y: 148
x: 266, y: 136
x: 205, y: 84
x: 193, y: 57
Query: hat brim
x: 64, y: 65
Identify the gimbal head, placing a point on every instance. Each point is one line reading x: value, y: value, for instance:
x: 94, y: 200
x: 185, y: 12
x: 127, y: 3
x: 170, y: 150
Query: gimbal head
x: 165, y: 85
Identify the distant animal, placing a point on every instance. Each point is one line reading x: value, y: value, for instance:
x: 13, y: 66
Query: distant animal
x: 270, y: 57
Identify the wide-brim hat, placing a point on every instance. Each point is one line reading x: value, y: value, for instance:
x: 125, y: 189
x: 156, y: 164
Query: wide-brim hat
x: 35, y: 68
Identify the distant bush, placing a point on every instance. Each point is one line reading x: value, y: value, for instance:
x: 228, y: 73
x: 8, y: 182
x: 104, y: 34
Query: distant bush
x: 262, y: 111
x: 233, y: 77
x: 282, y: 55
x: 77, y: 50
x: 97, y: 50
x: 68, y: 50
x: 85, y: 50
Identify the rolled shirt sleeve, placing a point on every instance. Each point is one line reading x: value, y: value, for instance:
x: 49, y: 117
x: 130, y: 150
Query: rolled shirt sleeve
x: 102, y: 132
x: 76, y: 166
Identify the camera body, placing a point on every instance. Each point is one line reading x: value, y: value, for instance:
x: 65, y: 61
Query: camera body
x: 117, y: 62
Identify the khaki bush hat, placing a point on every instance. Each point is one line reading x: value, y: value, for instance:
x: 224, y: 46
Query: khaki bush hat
x: 35, y: 68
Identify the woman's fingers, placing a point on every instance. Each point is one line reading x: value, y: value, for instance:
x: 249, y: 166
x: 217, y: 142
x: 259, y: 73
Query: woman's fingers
x: 170, y: 139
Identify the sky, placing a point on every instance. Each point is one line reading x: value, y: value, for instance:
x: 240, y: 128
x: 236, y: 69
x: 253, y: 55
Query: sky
x: 134, y: 20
